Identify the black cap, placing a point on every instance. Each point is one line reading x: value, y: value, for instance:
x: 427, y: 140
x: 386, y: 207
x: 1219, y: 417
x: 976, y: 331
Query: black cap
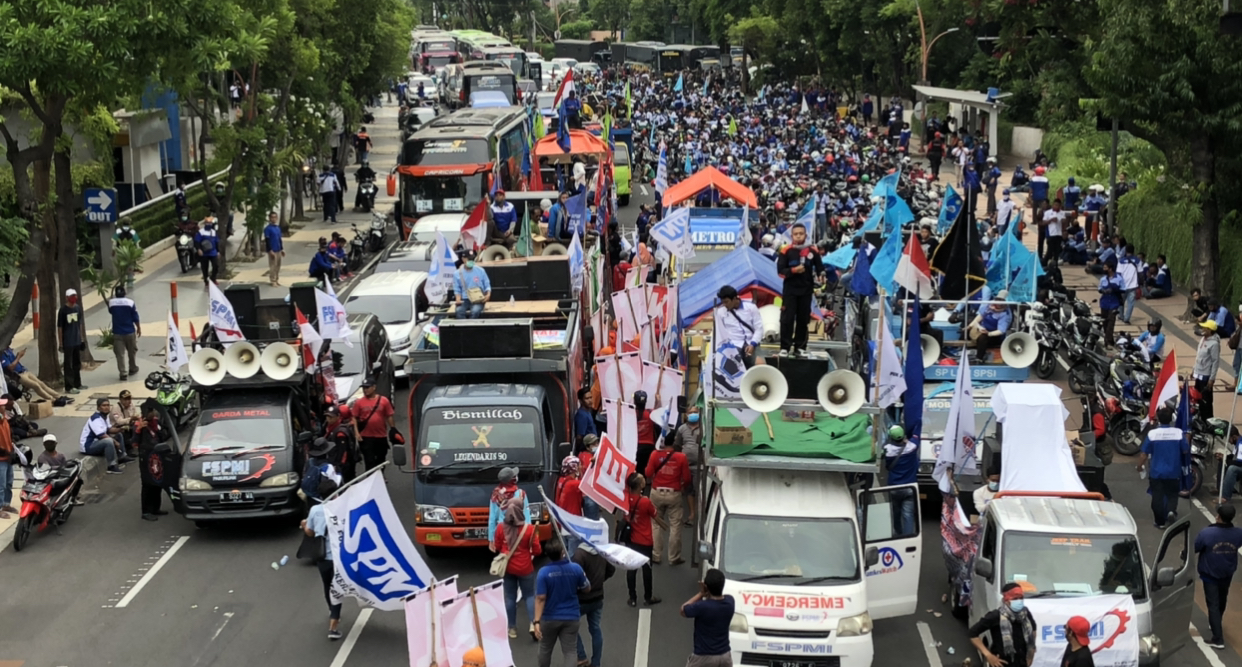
x: 467, y: 254
x: 332, y: 411
x: 369, y: 382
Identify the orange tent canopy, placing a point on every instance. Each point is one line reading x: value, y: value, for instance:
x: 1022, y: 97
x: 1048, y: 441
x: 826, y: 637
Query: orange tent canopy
x: 710, y: 177
x: 580, y: 142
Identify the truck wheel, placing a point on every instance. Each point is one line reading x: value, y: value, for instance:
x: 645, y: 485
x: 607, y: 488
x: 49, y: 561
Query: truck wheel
x: 623, y: 200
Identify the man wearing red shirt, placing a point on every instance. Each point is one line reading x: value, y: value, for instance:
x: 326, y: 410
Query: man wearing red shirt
x: 641, y: 515
x: 647, y: 431
x: 669, y: 472
x: 373, y: 416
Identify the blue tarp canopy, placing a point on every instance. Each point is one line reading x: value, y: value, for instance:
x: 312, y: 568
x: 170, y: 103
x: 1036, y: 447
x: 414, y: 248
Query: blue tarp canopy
x: 744, y: 269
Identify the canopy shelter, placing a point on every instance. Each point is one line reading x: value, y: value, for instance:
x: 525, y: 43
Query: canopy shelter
x: 972, y: 103
x: 710, y: 177
x: 744, y: 268
x: 581, y: 143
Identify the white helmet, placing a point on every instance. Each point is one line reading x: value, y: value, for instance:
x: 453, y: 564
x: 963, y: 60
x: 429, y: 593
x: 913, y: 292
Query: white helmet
x: 768, y: 239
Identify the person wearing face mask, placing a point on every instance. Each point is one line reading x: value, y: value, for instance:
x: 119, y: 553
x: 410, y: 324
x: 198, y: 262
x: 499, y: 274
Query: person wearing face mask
x: 688, y: 439
x: 1004, y: 212
x: 157, y: 463
x: 984, y: 494
x: 71, y: 334
x: 1012, y: 629
x: 1077, y: 643
x: 208, y: 242
x: 798, y: 264
x: 471, y: 288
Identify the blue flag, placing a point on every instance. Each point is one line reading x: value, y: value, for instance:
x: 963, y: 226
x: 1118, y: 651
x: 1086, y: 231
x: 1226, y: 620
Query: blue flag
x: 576, y: 208
x: 1022, y: 287
x: 678, y: 86
x: 949, y: 207
x: 706, y: 81
x: 884, y: 266
x: 887, y: 186
x: 896, y: 213
x: 689, y: 165
x: 1182, y: 421
x: 661, y: 179
x: 562, y: 129
x: 842, y: 257
x: 912, y: 412
x: 873, y: 221
x: 862, y: 283
x: 806, y: 217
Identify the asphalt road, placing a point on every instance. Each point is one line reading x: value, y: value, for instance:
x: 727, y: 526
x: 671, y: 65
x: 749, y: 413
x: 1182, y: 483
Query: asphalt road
x: 115, y: 590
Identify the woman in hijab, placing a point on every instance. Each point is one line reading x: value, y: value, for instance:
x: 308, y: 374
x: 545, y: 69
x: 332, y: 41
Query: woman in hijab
x: 506, y: 489
x: 517, y: 537
x: 157, y: 462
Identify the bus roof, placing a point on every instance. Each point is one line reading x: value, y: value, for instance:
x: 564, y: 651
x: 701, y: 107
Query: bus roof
x: 502, y: 49
x: 475, y: 118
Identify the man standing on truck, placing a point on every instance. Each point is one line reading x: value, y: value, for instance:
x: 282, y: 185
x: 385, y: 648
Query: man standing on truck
x: 669, y: 472
x: 373, y: 416
x: 798, y: 264
x: 1217, y: 546
x: 1012, y: 629
x: 901, y: 457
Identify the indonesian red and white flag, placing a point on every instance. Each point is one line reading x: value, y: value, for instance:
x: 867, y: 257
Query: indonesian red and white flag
x: 913, y: 272
x: 1166, y: 385
x: 474, y: 229
x: 562, y: 92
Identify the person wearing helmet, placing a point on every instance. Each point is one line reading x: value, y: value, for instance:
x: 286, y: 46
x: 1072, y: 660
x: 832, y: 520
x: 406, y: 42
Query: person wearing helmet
x: 362, y: 144
x: 935, y: 154
x: 901, y: 459
x: 1207, y: 359
x: 1039, y: 187
x: 990, y: 175
x: 1111, y: 288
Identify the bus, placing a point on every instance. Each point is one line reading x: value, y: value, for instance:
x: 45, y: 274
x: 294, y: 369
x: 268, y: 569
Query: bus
x: 706, y: 57
x: 511, y: 56
x: 673, y: 58
x: 641, y: 58
x: 448, y: 165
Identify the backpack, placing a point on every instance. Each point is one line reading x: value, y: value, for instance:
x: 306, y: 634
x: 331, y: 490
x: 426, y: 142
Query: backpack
x: 315, y: 470
x: 126, y: 234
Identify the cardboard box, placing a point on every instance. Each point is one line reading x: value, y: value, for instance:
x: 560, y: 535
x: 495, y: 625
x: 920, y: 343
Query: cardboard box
x: 1080, y: 454
x: 798, y: 415
x: 37, y: 409
x: 731, y: 435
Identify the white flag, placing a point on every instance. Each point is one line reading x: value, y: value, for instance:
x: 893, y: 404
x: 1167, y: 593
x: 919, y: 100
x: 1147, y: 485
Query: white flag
x: 458, y: 617
x: 743, y: 235
x: 440, y: 275
x: 892, y: 381
x: 595, y: 533
x: 333, y: 320
x: 221, y: 316
x: 577, y: 262
x: 673, y: 233
x: 375, y: 560
x: 957, y: 449
x: 422, y: 615
x: 174, y: 348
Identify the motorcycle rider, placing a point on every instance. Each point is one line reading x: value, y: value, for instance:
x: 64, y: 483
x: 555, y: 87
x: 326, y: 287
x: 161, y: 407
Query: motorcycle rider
x: 365, y: 173
x: 55, y: 460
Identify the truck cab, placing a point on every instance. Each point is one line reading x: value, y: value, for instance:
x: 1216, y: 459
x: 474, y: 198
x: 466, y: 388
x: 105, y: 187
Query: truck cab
x: 1078, y: 545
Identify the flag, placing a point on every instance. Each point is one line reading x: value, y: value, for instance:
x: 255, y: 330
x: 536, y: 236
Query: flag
x: 912, y: 270
x: 743, y: 235
x: 680, y: 81
x: 707, y: 80
x: 576, y: 209
x: 1166, y: 385
x: 174, y: 349
x: 886, y: 186
x: 949, y: 208
x: 842, y: 257
x: 440, y: 275
x: 562, y: 129
x: 862, y: 283
x: 595, y: 533
x: 673, y: 233
x: 806, y: 217
x: 525, y: 243
x: 611, y: 470
x: 629, y: 102
x: 577, y: 262
x: 310, y: 337
x: 958, y: 261
x: 372, y: 554
x: 957, y: 449
x: 891, y: 383
x: 563, y: 91
x: 874, y: 218
x: 1183, y: 422
x: 541, y: 130
x: 1022, y: 289
x: 423, y: 625
x: 606, y: 133
x: 221, y: 316
x: 474, y: 229
x: 536, y: 175
x: 732, y: 126
x: 912, y: 410
x: 884, y: 264
x: 896, y: 213
x: 333, y: 320
x: 661, y: 179
x: 689, y: 166
x: 806, y: 108
x: 486, y: 605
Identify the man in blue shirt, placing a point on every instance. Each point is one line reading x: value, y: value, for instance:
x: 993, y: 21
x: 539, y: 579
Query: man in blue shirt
x: 503, y: 214
x: 208, y: 243
x: 275, y: 248
x: 1163, y: 447
x: 321, y: 265
x: 1217, y: 547
x: 471, y: 288
x: 557, y: 613
x: 12, y: 362
x: 558, y: 217
x: 712, y: 612
x: 584, y: 421
x: 1111, y: 289
x: 990, y: 326
x: 126, y: 329
x: 901, y: 458
x: 1070, y: 194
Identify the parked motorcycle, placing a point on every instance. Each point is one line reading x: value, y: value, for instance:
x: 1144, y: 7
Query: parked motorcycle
x: 379, y: 232
x: 176, y: 395
x: 357, y: 248
x: 47, y: 496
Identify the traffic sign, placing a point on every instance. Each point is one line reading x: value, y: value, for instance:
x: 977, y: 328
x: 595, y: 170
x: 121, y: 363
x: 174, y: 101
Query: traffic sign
x: 100, y: 205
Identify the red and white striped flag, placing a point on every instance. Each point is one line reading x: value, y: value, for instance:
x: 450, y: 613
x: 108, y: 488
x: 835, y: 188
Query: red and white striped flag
x: 913, y: 272
x: 474, y: 229
x: 1166, y: 385
x: 562, y: 92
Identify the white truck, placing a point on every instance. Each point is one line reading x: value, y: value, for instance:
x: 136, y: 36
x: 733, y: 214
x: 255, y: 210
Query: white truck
x: 810, y: 558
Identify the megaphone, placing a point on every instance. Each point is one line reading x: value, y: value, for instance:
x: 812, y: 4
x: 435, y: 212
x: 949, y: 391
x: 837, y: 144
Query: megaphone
x: 242, y: 360
x: 493, y: 253
x: 207, y: 366
x: 771, y: 315
x: 930, y: 349
x: 554, y: 250
x: 279, y: 361
x: 764, y: 389
x: 841, y: 392
x: 1019, y: 350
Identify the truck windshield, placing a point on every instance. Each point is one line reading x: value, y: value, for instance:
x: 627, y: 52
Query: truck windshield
x: 1074, y: 565
x: 482, y: 434
x: 235, y: 429
x: 934, y: 422
x: 757, y: 548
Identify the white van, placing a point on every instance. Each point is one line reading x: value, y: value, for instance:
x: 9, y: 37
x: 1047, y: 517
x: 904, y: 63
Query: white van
x: 397, y: 299
x: 809, y: 562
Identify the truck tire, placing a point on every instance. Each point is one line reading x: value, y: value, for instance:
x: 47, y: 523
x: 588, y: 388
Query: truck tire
x: 623, y: 200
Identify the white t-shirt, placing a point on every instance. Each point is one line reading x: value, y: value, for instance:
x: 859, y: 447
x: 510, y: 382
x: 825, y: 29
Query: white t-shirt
x: 1128, y: 273
x: 1054, y: 218
x: 97, y: 426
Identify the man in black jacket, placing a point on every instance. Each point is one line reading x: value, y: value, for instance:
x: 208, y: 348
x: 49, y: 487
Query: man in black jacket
x: 798, y: 263
x: 591, y: 602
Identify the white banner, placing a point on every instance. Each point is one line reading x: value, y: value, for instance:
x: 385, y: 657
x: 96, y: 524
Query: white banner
x: 333, y: 320
x: 221, y: 316
x: 892, y: 381
x: 673, y: 233
x: 1114, y: 629
x: 595, y: 531
x: 957, y: 449
x: 374, y: 558
x: 174, y: 349
x: 424, y: 629
x: 440, y: 275
x: 457, y: 616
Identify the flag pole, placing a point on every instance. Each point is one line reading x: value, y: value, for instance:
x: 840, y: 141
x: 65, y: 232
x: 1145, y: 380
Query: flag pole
x: 474, y: 611
x: 1220, y: 484
x: 877, y: 356
x: 354, y: 481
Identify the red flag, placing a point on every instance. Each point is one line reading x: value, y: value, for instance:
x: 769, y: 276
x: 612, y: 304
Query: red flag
x: 193, y: 339
x: 536, y: 178
x: 913, y: 272
x: 474, y: 229
x: 563, y: 91
x: 1166, y: 385
x: 310, y: 338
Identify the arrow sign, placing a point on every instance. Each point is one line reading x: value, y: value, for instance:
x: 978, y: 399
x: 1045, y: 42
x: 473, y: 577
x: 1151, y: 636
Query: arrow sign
x: 101, y: 200
x: 100, y: 205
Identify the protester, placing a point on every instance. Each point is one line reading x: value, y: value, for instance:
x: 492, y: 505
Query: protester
x: 1111, y: 291
x: 506, y: 488
x: 71, y: 338
x: 274, y: 246
x: 712, y: 612
x: 156, y: 461
x: 669, y: 472
x: 739, y: 323
x: 6, y: 465
x: 126, y: 330
x: 518, y: 540
x: 471, y: 288
x: 315, y: 525
x: 568, y: 495
x: 1012, y: 629
x: 635, y: 532
x: 100, y: 438
x: 557, y: 614
x: 12, y: 362
x: 125, y: 417
x: 1217, y: 547
x: 584, y: 420
x: 591, y: 602
x: 207, y: 240
x: 688, y: 439
x: 984, y: 494
x: 1207, y: 359
x: 798, y: 264
x: 1077, y: 643
x: 1164, y: 447
x: 373, y: 415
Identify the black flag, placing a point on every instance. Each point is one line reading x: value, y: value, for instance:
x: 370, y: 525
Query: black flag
x: 958, y: 260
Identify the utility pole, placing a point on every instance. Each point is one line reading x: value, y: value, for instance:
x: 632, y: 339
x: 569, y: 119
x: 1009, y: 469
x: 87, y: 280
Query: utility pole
x: 1112, y: 180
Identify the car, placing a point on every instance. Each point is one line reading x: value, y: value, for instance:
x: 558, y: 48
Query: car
x: 429, y: 226
x: 533, y: 57
x: 586, y: 69
x: 415, y: 118
x: 411, y: 90
x: 406, y: 256
x: 397, y: 299
x: 367, y: 355
x: 526, y: 88
x: 488, y: 99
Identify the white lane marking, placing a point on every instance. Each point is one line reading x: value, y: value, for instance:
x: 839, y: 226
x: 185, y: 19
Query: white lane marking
x: 228, y: 616
x: 643, y: 189
x: 352, y: 638
x: 642, y: 646
x: 1203, y: 510
x: 150, y: 574
x: 929, y: 644
x: 1208, y: 652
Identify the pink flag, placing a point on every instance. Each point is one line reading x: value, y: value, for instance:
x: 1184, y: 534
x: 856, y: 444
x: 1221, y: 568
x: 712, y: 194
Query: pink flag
x: 671, y: 383
x: 623, y: 425
x: 627, y: 327
x: 611, y: 472
x: 588, y: 489
x: 638, y: 304
x: 631, y: 367
x: 418, y: 624
x: 609, y: 377
x: 597, y: 324
x: 646, y: 342
x: 651, y: 379
x: 489, y: 601
x: 457, y: 621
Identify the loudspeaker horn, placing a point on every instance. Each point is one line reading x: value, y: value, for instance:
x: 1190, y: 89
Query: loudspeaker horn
x: 1019, y: 350
x: 554, y: 249
x: 279, y: 361
x: 764, y: 388
x: 841, y: 392
x: 242, y: 360
x: 930, y: 349
x: 771, y: 315
x: 494, y: 253
x: 207, y: 366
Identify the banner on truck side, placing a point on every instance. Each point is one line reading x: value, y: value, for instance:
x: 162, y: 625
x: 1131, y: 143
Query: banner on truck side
x: 1114, y: 629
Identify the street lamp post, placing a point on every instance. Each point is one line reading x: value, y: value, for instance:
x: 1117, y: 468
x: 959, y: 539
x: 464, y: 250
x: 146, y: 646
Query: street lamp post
x: 926, y: 51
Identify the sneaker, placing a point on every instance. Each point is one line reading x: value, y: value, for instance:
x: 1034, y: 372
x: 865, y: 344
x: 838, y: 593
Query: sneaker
x: 150, y: 517
x: 783, y: 353
x: 512, y: 633
x: 125, y: 459
x: 633, y: 602
x: 1218, y: 645
x: 533, y: 637
x: 652, y: 601
x: 334, y: 635
x: 677, y: 561
x: 78, y: 502
x: 160, y: 513
x: 800, y: 354
x: 115, y: 469
x: 124, y: 378
x: 134, y: 372
x: 75, y: 391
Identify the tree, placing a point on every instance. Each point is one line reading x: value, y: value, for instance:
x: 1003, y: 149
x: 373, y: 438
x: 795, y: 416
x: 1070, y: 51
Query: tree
x: 611, y: 15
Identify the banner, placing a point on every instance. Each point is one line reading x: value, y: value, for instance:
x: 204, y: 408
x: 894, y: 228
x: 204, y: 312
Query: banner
x: 631, y: 372
x: 174, y: 349
x: 957, y: 449
x: 595, y: 532
x: 612, y: 467
x: 892, y: 380
x: 623, y: 426
x: 374, y: 558
x: 221, y: 316
x: 609, y: 377
x: 627, y: 327
x: 1114, y: 628
x: 673, y: 234
x: 424, y: 629
x: 577, y: 263
x: 460, y: 636
x: 440, y: 275
x: 333, y: 320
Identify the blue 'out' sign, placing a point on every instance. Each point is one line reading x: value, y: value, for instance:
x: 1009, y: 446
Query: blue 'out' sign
x: 100, y: 205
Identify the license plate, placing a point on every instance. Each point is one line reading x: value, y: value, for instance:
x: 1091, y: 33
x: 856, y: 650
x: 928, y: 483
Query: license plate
x: 791, y: 663
x: 433, y: 537
x: 476, y: 533
x: 236, y: 497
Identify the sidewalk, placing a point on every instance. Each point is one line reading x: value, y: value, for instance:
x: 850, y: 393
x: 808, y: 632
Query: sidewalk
x: 152, y: 291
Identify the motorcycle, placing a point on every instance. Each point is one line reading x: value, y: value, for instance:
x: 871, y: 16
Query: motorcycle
x: 176, y: 395
x: 357, y: 248
x: 379, y: 232
x: 47, y: 496
x: 1124, y: 418
x: 187, y: 257
x: 365, y: 199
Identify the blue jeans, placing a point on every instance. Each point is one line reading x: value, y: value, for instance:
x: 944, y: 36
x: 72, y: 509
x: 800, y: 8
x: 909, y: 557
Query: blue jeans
x: 527, y: 585
x: 6, y: 478
x: 1129, y: 308
x: 905, y: 499
x: 1232, y: 474
x: 594, y: 612
x: 475, y: 310
x: 105, y: 447
x: 590, y: 510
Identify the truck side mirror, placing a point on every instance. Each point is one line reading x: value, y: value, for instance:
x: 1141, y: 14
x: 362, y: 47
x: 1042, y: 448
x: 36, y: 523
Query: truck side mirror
x: 707, y: 552
x: 873, y: 557
x: 1165, y: 577
x: 398, y: 455
x: 562, y: 450
x: 983, y: 567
